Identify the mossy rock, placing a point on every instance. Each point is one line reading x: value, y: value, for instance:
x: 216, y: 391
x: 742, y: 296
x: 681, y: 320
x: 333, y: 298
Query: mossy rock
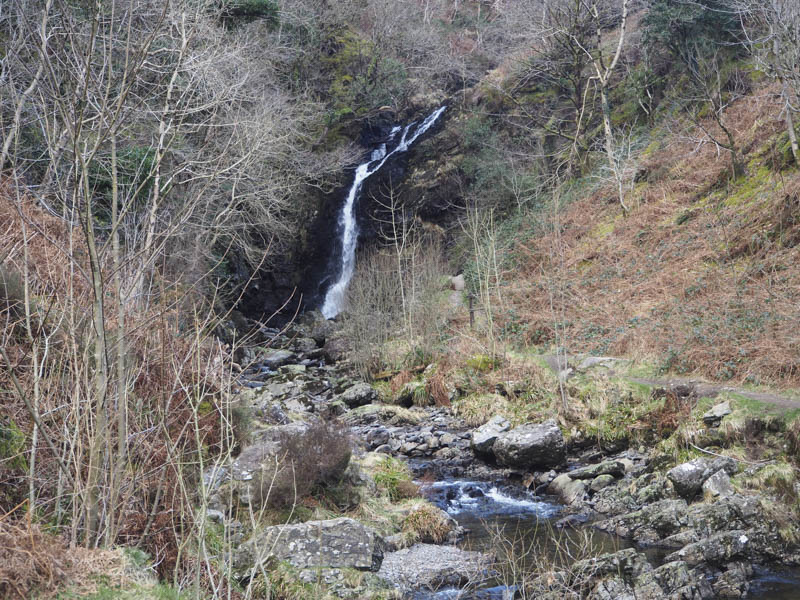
x: 482, y: 363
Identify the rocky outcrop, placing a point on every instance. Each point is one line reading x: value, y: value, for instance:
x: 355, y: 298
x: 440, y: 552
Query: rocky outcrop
x: 335, y: 543
x: 624, y: 575
x: 531, y: 446
x: 430, y: 567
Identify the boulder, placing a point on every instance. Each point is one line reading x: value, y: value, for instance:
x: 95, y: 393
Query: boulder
x: 431, y: 567
x: 718, y: 486
x: 615, y: 468
x: 277, y: 358
x: 689, y: 477
x: 484, y: 437
x: 531, y: 446
x: 334, y: 543
x: 567, y: 489
x: 303, y: 344
x: 714, y: 416
x: 717, y: 549
x: 600, y: 482
x: 264, y: 473
x: 358, y: 395
x: 336, y: 348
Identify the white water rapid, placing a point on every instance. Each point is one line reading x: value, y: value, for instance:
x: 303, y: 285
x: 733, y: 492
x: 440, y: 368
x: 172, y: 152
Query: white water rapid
x: 347, y: 219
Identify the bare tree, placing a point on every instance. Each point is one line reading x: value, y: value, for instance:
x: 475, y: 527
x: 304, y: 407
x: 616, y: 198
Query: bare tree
x: 773, y: 30
x: 603, y: 70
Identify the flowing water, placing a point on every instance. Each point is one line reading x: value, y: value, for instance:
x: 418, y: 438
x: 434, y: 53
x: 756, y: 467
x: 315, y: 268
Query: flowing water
x: 488, y: 510
x: 348, y: 226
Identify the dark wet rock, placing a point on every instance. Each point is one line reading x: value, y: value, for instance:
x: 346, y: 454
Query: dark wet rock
x: 335, y: 543
x: 571, y: 521
x: 431, y: 567
x: 484, y: 437
x: 359, y: 394
x: 688, y: 478
x: 531, y: 446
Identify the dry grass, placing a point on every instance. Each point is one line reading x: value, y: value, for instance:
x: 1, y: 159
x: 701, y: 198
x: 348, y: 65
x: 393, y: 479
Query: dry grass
x: 36, y: 564
x: 427, y: 524
x: 703, y: 276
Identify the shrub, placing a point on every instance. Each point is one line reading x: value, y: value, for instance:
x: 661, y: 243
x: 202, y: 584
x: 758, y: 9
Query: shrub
x: 427, y: 524
x: 316, y: 457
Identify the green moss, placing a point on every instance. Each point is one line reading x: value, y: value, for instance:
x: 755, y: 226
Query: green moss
x: 756, y: 186
x: 482, y: 363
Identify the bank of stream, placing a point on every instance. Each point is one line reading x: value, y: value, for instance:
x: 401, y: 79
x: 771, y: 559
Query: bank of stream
x: 654, y: 531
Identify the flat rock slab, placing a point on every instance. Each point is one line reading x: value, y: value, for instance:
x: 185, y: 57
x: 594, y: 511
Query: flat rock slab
x: 484, y: 437
x: 431, y: 567
x: 334, y: 543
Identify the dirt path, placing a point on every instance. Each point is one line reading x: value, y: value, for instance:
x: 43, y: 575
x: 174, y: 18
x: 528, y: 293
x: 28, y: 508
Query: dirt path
x: 702, y: 389
x: 681, y: 386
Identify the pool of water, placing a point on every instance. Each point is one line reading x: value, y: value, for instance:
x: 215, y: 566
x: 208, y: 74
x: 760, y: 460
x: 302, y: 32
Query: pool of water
x: 524, y: 524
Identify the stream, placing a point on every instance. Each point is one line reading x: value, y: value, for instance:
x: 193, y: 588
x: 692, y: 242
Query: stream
x: 486, y: 509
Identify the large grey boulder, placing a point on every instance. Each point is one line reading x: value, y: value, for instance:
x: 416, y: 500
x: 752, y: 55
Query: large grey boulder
x: 358, y: 395
x: 718, y: 486
x: 334, y: 543
x: 568, y: 490
x: 531, y: 446
x: 484, y: 437
x: 432, y: 567
x: 688, y: 478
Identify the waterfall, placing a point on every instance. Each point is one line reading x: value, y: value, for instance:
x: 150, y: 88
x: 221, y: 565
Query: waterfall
x: 347, y: 219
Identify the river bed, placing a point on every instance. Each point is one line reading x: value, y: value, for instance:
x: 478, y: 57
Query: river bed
x: 490, y: 511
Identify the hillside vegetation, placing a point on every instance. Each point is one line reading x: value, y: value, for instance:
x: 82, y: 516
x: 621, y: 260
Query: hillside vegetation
x: 616, y: 178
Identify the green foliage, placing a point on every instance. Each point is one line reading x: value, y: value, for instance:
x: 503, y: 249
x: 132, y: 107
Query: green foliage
x: 12, y: 445
x: 134, y: 177
x: 364, y: 78
x: 482, y: 363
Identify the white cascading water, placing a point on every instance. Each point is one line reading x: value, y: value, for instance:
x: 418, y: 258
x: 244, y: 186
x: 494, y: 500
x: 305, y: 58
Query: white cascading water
x: 347, y: 220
